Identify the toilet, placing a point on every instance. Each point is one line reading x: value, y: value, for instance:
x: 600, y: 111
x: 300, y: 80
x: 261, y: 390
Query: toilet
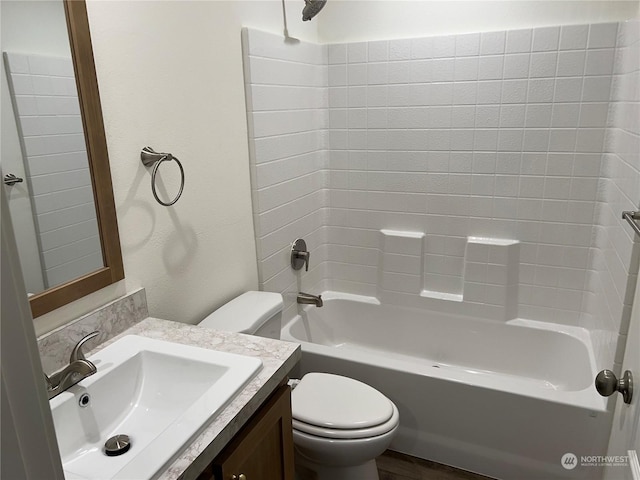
x: 339, y: 424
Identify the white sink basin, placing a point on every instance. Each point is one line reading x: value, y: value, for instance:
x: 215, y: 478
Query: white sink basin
x: 160, y: 394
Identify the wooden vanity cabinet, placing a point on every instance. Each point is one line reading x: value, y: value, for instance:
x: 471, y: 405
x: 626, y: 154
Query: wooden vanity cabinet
x: 263, y: 448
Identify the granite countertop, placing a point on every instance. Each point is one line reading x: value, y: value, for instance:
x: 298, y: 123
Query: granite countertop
x: 278, y: 358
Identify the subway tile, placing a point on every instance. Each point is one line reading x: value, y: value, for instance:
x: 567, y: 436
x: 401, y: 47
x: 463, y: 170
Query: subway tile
x: 568, y: 90
x: 519, y: 41
x: 540, y: 90
x: 357, y: 74
x: 538, y: 116
x: 573, y: 37
x: 594, y: 115
x: 543, y: 64
x: 420, y: 71
x: 489, y: 92
x: 399, y: 72
x: 490, y: 67
x: 444, y: 46
x: 599, y: 62
x: 466, y: 69
x: 602, y: 35
x: 516, y: 66
x: 545, y: 39
x: 18, y: 63
x: 467, y: 44
x: 442, y: 70
x: 337, y: 75
x: 596, y: 89
x: 492, y: 43
x: 337, y: 54
x: 378, y: 51
x: 571, y: 64
x: 514, y: 91
x: 421, y: 48
x: 465, y: 93
x: 565, y: 115
x: 399, y: 50
x: 357, y: 52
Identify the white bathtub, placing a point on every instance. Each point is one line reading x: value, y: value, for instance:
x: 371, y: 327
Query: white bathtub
x: 506, y: 400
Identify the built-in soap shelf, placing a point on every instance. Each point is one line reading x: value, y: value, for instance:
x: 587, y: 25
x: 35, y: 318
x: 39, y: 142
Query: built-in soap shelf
x: 489, y: 278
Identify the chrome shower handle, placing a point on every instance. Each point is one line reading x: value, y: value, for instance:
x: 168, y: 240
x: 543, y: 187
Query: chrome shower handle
x: 299, y: 255
x: 304, y: 256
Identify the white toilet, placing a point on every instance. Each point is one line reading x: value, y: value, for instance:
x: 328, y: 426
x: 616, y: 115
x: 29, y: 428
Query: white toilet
x: 339, y: 424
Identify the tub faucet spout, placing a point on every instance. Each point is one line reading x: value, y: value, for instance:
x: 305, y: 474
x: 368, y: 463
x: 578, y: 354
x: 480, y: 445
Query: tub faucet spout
x: 308, y: 299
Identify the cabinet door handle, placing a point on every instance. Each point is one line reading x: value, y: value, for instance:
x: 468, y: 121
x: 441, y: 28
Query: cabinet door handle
x: 242, y: 476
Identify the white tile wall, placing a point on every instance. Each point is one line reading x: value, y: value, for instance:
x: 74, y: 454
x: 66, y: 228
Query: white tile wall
x: 287, y: 110
x: 48, y: 117
x: 497, y: 134
x: 616, y: 251
x: 486, y: 135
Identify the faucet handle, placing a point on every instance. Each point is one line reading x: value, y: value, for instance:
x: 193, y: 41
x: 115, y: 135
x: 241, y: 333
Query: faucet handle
x: 305, y: 258
x: 77, y: 353
x: 299, y: 255
x: 47, y: 381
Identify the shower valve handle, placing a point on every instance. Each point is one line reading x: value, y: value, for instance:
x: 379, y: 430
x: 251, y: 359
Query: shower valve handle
x: 607, y: 384
x: 304, y: 256
x: 299, y: 255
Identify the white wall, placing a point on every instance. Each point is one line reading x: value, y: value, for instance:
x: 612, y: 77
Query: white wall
x: 357, y: 20
x: 170, y: 76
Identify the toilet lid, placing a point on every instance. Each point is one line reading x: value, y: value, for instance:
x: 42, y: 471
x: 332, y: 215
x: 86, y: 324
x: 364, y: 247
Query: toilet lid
x: 336, y: 402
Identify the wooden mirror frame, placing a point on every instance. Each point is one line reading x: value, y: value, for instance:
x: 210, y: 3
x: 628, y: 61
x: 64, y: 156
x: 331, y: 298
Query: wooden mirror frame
x: 89, y: 97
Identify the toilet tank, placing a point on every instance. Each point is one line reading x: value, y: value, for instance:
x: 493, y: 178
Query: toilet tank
x: 254, y: 313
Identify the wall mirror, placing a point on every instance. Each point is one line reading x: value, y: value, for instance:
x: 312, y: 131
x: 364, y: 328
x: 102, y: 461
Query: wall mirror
x: 55, y: 167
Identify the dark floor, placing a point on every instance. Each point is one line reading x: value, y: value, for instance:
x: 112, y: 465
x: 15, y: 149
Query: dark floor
x: 397, y: 466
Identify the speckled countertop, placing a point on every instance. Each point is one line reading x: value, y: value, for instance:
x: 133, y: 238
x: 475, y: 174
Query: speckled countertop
x: 278, y: 358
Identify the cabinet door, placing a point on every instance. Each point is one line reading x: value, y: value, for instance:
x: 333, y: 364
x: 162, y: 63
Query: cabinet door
x: 263, y: 449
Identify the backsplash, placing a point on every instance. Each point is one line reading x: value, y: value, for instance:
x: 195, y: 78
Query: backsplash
x: 110, y: 320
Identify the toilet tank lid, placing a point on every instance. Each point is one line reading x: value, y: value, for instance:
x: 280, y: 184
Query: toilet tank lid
x: 245, y: 313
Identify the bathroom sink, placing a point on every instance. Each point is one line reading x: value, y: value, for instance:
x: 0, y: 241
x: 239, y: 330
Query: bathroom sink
x: 160, y: 394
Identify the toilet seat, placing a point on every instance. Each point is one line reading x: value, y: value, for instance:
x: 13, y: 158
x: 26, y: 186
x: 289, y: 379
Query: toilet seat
x: 349, y: 434
x: 333, y: 406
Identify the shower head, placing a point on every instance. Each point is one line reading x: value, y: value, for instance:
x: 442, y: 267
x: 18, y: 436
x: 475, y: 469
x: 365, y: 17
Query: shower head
x: 311, y: 8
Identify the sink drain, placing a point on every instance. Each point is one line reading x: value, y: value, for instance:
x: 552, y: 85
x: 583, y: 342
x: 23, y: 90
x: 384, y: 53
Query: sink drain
x: 117, y: 445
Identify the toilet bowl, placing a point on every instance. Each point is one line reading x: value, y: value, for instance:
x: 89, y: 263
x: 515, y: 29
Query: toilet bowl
x: 339, y: 424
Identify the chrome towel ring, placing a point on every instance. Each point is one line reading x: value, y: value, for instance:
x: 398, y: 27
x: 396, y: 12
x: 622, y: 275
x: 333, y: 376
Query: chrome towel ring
x: 150, y: 157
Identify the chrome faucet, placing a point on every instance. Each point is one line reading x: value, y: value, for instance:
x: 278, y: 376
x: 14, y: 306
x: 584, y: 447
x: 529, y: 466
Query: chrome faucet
x: 308, y: 299
x: 78, y: 369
